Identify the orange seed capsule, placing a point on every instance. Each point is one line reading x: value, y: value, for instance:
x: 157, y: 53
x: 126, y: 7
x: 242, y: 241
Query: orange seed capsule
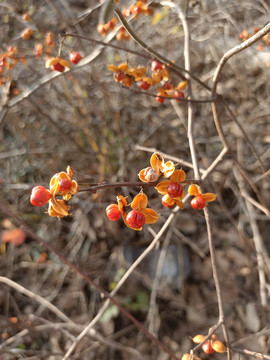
x: 198, y: 339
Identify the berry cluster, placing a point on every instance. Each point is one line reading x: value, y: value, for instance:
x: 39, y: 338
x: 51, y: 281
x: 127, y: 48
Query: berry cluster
x: 59, y: 64
x: 139, y: 8
x: 172, y: 191
x: 103, y: 29
x: 61, y: 183
x: 8, y: 60
x: 211, y: 345
x: 137, y: 217
x: 159, y: 76
x: 136, y: 9
x: 265, y: 41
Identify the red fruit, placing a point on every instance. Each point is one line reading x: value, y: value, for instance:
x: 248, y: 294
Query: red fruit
x: 179, y: 94
x: 144, y: 85
x: 40, y: 196
x: 167, y: 86
x: 135, y: 219
x: 175, y: 189
x: 65, y: 184
x: 58, y: 67
x: 160, y: 99
x: 75, y: 57
x: 119, y: 76
x: 113, y: 213
x: 207, y: 347
x: 156, y: 66
x: 198, y: 203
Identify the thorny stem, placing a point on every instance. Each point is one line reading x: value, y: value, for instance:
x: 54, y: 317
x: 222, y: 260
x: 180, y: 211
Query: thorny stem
x: 6, y: 210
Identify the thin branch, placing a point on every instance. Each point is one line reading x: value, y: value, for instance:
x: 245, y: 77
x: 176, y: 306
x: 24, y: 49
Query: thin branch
x: 95, y: 187
x: 235, y: 50
x: 35, y: 297
x: 156, y: 282
x: 257, y: 239
x: 216, y: 279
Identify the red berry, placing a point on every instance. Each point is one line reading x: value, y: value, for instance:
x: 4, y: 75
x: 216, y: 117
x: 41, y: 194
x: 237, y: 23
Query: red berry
x: 65, y: 184
x: 119, y: 76
x: 75, y: 57
x: 135, y: 219
x: 156, y: 66
x: 58, y: 67
x: 160, y: 99
x: 175, y: 189
x: 179, y: 94
x: 198, y: 203
x: 167, y: 86
x: 144, y: 85
x: 113, y: 213
x: 40, y: 196
x: 207, y: 347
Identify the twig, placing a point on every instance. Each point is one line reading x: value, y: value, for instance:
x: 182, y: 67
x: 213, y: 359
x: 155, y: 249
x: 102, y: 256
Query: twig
x: 156, y: 282
x: 251, y: 353
x: 216, y: 278
x: 235, y: 50
x: 256, y: 204
x: 103, y: 186
x: 257, y: 241
x: 35, y: 297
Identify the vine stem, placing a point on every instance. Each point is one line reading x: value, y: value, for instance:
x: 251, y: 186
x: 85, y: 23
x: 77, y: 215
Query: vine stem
x: 103, y: 186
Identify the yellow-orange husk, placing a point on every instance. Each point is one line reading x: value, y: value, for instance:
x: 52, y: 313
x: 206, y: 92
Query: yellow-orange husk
x: 194, y: 190
x: 178, y: 176
x: 198, y: 339
x: 218, y: 346
x: 122, y: 202
x: 156, y: 161
x: 150, y: 216
x: 139, y: 202
x: 113, y: 68
x: 188, y: 356
x: 123, y: 67
x: 208, y: 197
x: 182, y: 85
x: 162, y: 187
